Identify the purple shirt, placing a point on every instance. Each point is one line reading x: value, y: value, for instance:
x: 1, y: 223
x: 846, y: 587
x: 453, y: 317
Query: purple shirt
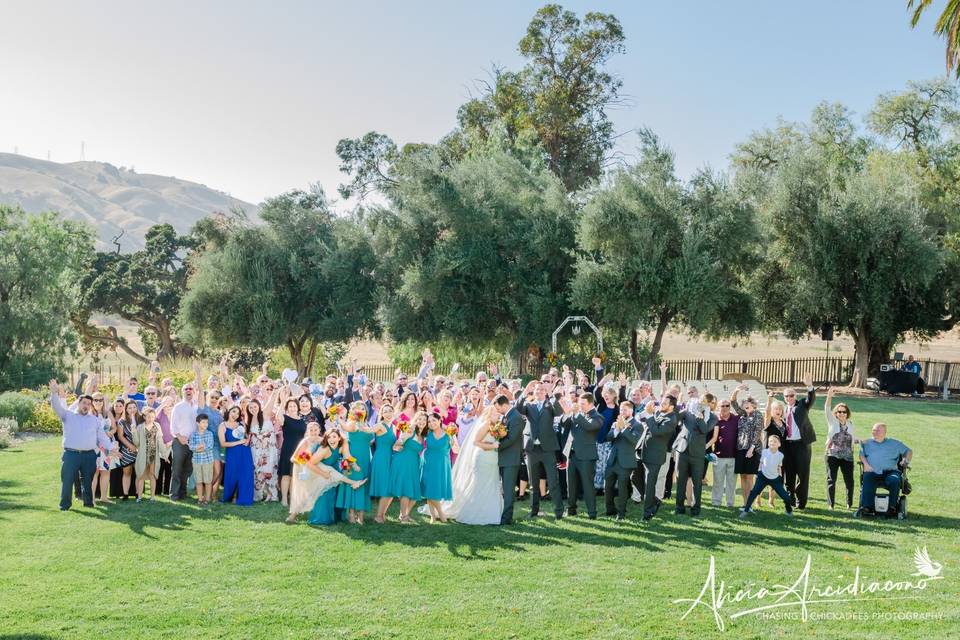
x: 164, y: 421
x: 726, y: 444
x: 84, y: 433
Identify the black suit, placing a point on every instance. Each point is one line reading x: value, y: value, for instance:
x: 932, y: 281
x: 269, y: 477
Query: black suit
x: 620, y: 466
x: 582, y: 461
x: 541, y: 451
x: 796, y: 453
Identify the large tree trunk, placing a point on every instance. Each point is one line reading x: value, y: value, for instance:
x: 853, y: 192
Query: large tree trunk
x: 662, y: 324
x: 168, y: 349
x: 869, y: 353
x: 301, y: 361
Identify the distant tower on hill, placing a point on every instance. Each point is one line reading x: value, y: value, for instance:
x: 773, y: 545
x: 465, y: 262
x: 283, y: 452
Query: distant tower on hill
x: 83, y: 154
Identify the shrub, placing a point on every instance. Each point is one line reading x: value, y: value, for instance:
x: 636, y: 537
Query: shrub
x: 18, y: 406
x: 43, y: 420
x: 8, y: 429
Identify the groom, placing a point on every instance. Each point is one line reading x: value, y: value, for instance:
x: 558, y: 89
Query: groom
x: 508, y: 455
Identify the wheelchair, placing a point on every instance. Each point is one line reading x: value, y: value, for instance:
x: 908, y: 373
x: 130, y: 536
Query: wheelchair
x: 881, y: 503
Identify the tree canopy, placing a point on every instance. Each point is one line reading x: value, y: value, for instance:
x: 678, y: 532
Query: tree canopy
x: 302, y: 279
x: 41, y: 257
x: 658, y: 253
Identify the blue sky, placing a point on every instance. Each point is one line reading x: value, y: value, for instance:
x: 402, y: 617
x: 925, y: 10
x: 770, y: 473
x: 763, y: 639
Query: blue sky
x: 251, y: 97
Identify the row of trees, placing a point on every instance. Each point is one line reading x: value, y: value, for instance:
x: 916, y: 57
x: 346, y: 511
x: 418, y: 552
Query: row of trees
x: 517, y: 218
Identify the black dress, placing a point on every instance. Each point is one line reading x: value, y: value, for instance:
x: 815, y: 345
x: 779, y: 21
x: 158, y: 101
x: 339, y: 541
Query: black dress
x: 294, y: 430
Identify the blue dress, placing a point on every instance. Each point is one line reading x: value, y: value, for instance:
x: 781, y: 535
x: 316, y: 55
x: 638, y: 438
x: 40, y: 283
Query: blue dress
x: 436, y: 482
x: 238, y: 472
x: 405, y: 470
x: 324, y: 509
x: 359, y: 498
x: 380, y: 467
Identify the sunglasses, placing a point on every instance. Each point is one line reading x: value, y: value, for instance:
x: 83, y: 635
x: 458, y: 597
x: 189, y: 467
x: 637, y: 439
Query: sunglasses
x: 98, y: 399
x: 790, y: 395
x: 843, y: 411
x: 725, y: 405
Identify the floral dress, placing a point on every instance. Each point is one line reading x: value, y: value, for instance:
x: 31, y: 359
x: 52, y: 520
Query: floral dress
x: 107, y: 459
x: 266, y: 455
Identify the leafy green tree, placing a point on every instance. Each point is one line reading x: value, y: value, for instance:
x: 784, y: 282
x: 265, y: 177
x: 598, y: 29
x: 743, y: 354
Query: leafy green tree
x: 947, y: 26
x: 849, y: 239
x: 658, y: 253
x: 477, y: 251
x: 144, y: 287
x: 304, y: 279
x: 559, y: 98
x: 41, y: 257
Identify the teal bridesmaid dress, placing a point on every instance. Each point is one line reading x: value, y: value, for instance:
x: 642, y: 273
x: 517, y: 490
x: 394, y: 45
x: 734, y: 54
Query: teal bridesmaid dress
x: 405, y: 470
x: 359, y: 498
x: 324, y: 509
x: 380, y: 466
x: 436, y: 481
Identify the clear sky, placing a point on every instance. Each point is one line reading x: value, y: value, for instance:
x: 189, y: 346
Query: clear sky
x: 251, y: 97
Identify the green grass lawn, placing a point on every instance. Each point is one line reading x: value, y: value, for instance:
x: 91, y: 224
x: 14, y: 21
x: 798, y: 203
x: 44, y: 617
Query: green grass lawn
x: 175, y: 570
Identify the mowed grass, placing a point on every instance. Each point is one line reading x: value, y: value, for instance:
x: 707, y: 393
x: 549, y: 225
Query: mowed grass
x: 175, y: 570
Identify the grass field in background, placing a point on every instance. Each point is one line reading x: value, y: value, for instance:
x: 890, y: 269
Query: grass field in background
x: 174, y: 570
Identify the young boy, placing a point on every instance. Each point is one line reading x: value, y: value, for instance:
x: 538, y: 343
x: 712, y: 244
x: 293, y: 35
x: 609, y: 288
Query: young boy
x: 771, y: 461
x: 201, y: 443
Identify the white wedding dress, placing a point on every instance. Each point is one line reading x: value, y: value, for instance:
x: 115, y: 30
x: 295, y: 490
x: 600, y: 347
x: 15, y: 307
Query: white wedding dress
x: 476, y: 485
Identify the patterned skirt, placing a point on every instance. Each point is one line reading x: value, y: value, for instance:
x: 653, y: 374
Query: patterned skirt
x: 604, y: 449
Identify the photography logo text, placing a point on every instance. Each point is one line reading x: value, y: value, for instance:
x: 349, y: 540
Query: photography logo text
x: 800, y: 599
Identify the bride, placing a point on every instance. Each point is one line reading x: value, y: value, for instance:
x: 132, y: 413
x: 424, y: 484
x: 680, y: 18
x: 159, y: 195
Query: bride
x: 476, y: 476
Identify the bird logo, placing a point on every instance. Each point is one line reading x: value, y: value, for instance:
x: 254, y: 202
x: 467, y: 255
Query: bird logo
x: 925, y: 566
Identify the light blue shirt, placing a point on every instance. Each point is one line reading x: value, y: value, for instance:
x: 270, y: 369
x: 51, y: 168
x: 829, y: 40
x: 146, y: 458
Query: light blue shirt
x: 882, y: 456
x: 84, y: 433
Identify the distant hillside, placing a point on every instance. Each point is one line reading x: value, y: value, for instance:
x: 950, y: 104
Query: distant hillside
x: 111, y: 200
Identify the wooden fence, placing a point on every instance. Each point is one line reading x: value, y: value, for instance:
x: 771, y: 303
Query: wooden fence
x: 825, y: 370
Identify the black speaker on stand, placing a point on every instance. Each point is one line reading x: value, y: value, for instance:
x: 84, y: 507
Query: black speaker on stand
x: 826, y: 331
x: 826, y: 334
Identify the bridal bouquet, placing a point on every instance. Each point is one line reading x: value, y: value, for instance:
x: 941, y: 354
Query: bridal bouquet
x: 451, y: 430
x: 498, y: 430
x: 303, y: 457
x: 403, y: 427
x: 334, y: 411
x: 358, y: 414
x: 348, y: 464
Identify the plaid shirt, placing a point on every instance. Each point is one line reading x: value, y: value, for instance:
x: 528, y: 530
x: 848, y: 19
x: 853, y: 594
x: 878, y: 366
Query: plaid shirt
x: 206, y: 439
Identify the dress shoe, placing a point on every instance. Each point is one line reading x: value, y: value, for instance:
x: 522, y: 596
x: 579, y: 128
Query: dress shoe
x: 620, y: 518
x: 679, y: 511
x: 592, y: 516
x: 647, y: 516
x: 610, y: 514
x: 571, y: 512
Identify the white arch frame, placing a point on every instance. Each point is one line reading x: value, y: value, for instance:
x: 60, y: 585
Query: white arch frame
x: 584, y: 319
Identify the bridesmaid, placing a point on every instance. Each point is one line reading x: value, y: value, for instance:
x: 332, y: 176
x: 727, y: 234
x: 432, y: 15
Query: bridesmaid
x: 436, y: 481
x: 380, y: 467
x: 448, y: 415
x: 405, y: 466
x: 326, y: 462
x: 359, y: 435
x: 305, y: 483
x: 408, y: 407
x: 238, y: 474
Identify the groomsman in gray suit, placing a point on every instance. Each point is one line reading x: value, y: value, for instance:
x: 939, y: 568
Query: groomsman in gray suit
x: 691, y: 446
x: 624, y: 434
x: 542, y: 445
x: 653, y: 445
x: 581, y: 441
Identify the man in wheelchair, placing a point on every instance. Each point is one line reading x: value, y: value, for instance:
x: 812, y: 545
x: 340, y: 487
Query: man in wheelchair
x: 883, y: 460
